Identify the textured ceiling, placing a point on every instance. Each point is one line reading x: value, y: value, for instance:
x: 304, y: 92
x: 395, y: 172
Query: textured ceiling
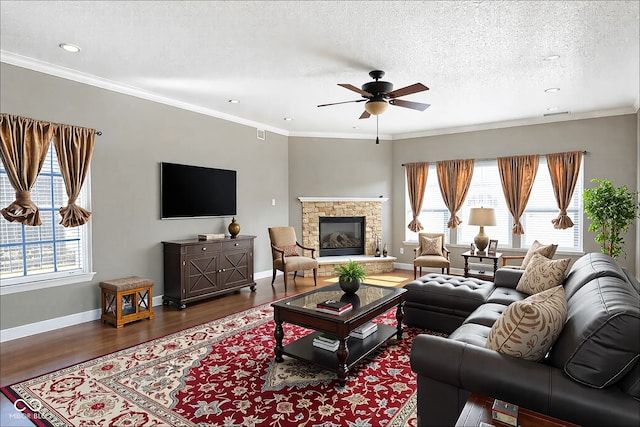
x: 482, y: 60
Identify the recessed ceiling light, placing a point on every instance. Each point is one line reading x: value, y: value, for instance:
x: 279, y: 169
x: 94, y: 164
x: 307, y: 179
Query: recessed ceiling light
x: 287, y: 119
x: 234, y: 101
x: 69, y: 47
x: 552, y: 89
x: 552, y: 57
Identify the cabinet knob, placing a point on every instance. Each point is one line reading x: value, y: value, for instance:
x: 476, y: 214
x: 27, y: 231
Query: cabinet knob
x: 204, y: 248
x: 237, y: 244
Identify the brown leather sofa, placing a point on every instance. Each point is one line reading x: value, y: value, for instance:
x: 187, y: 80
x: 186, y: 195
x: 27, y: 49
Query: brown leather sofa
x: 590, y: 377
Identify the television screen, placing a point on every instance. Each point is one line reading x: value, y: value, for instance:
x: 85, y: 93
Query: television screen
x: 195, y: 191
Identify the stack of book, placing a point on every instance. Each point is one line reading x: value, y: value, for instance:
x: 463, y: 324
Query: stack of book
x: 333, y: 306
x: 364, y: 331
x: 326, y: 342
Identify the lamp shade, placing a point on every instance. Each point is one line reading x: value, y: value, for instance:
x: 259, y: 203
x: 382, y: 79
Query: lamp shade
x: 376, y: 107
x: 482, y: 216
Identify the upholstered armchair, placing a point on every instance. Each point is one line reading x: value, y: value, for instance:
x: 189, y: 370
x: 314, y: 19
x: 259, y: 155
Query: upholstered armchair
x: 431, y: 252
x: 288, y: 254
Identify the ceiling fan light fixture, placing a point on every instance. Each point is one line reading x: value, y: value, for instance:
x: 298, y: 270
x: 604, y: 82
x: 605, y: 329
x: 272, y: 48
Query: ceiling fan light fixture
x: 376, y: 107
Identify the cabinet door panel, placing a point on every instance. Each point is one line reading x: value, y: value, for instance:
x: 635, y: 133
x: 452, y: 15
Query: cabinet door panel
x: 235, y: 269
x: 202, y: 274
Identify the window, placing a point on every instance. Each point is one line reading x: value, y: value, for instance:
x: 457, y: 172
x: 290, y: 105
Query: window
x: 434, y: 214
x: 486, y: 191
x: 542, y: 208
x: 50, y: 252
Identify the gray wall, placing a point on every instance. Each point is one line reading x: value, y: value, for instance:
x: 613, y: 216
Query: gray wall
x: 137, y: 136
x: 329, y: 167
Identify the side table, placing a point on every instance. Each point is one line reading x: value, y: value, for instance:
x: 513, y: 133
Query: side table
x: 478, y: 409
x: 480, y: 274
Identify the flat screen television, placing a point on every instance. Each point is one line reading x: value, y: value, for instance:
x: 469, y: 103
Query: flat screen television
x: 196, y: 191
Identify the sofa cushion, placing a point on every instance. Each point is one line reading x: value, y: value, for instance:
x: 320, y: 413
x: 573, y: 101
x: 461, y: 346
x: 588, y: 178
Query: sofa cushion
x: 486, y: 314
x: 600, y: 342
x: 528, y: 328
x: 541, y: 274
x: 547, y: 251
x: 431, y: 245
x: 471, y: 333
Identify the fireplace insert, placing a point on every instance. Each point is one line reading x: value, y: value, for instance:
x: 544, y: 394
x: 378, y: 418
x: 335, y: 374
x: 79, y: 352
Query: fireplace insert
x: 341, y: 235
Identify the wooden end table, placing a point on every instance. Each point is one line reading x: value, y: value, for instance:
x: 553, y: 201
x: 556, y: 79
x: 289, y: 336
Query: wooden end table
x: 368, y: 303
x: 478, y: 409
x: 480, y: 274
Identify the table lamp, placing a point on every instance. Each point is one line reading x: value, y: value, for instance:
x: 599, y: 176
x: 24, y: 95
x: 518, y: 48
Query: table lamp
x: 482, y: 216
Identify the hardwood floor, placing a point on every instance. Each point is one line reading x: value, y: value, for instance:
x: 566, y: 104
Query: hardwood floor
x: 28, y: 357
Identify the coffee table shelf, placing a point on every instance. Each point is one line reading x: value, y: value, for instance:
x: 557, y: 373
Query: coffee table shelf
x: 303, y: 348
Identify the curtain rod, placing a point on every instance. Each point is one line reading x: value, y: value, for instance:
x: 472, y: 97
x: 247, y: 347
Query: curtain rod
x: 584, y: 152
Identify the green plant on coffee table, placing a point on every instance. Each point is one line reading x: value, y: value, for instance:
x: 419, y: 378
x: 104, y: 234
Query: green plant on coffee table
x: 611, y: 211
x: 350, y: 272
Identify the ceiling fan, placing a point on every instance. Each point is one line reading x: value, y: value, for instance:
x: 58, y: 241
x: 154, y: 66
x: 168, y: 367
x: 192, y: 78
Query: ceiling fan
x: 377, y: 92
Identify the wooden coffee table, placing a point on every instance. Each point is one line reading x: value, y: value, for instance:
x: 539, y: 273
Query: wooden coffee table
x: 368, y: 303
x: 478, y: 409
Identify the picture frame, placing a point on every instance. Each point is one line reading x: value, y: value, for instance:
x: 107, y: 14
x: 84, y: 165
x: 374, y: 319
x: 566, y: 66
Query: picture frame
x: 493, y: 247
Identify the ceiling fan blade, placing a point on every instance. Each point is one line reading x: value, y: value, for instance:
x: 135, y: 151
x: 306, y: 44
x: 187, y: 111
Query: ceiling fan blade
x: 408, y: 90
x: 343, y: 102
x: 365, y: 115
x: 409, y: 104
x: 355, y: 89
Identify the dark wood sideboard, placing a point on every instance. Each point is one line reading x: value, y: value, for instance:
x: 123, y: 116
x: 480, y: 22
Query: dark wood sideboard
x: 199, y: 269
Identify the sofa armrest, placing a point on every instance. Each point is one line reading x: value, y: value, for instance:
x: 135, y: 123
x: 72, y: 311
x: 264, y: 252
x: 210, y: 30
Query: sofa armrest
x: 454, y: 365
x: 507, y: 277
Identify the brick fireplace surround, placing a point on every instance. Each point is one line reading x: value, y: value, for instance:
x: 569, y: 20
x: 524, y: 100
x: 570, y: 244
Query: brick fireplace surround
x: 370, y: 208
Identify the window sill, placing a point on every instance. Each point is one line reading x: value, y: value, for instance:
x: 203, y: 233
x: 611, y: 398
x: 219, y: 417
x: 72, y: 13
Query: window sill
x: 14, y: 288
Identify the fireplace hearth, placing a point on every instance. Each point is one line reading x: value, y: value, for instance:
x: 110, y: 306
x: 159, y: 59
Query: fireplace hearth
x: 341, y: 235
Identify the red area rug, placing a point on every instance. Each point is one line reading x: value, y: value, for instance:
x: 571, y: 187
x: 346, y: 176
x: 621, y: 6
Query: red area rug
x: 223, y: 373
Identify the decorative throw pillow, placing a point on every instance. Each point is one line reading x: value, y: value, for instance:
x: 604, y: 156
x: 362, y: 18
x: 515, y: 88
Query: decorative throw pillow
x: 528, y: 328
x: 431, y: 245
x: 547, y: 251
x: 289, y: 250
x: 542, y: 274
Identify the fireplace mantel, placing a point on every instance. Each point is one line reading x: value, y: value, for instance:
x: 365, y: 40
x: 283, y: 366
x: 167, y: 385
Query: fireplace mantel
x: 343, y: 199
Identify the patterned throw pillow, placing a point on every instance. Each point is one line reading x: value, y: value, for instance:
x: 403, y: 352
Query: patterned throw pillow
x: 547, y: 251
x: 289, y: 250
x: 528, y: 328
x: 542, y: 274
x: 431, y: 245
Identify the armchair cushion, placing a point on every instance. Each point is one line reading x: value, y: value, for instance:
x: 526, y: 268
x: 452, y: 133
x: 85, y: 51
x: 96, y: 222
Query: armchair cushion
x: 548, y: 251
x: 431, y: 245
x: 542, y: 274
x: 528, y: 328
x: 289, y: 250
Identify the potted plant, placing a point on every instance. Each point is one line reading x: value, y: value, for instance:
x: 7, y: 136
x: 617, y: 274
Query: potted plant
x: 611, y: 211
x: 350, y: 276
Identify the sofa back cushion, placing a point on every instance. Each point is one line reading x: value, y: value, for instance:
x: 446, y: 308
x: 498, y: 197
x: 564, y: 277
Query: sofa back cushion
x: 600, y: 341
x: 588, y: 267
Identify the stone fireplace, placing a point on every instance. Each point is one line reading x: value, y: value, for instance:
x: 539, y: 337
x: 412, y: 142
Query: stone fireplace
x: 338, y: 208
